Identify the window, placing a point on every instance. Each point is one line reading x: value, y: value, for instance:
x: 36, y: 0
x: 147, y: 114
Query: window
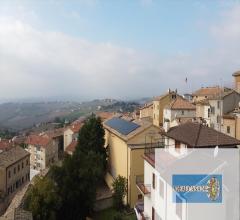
x: 177, y: 145
x: 22, y: 165
x: 18, y: 167
x: 213, y: 110
x: 182, y: 112
x: 161, y: 188
x: 218, y: 104
x: 9, y: 174
x: 153, y: 180
x: 218, y: 119
x: 140, y: 197
x: 228, y: 129
x: 208, y: 112
x: 27, y: 162
x: 153, y: 213
x: 14, y: 170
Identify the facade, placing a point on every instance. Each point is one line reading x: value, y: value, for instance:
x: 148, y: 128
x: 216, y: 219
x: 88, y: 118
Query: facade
x: 125, y: 142
x: 231, y: 124
x: 157, y: 186
x: 178, y: 110
x: 146, y: 111
x: 14, y: 173
x: 43, y: 151
x: 159, y: 103
x: 71, y: 134
x: 203, y: 111
x: 236, y: 76
x: 221, y: 105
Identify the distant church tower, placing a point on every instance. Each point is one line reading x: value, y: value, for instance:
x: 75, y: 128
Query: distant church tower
x: 237, y: 81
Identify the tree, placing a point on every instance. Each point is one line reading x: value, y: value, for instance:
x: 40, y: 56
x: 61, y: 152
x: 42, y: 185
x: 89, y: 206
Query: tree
x: 42, y: 199
x: 77, y: 182
x: 119, y: 191
x: 91, y: 138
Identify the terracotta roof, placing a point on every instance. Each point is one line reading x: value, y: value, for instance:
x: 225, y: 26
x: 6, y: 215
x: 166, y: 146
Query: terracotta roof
x: 38, y: 140
x: 75, y: 127
x: 236, y: 73
x: 198, y: 135
x: 5, y: 144
x: 105, y: 115
x: 208, y: 91
x: 71, y: 147
x: 181, y: 104
x: 12, y: 155
x: 147, y: 105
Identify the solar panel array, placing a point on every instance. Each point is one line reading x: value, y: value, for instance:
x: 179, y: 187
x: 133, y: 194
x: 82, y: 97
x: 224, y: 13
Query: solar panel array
x: 122, y: 126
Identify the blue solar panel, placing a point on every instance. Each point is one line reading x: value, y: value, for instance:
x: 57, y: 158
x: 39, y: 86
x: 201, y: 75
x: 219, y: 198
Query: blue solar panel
x: 122, y: 126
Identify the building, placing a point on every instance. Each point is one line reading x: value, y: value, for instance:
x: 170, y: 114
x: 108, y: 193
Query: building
x: 125, y: 140
x: 221, y: 105
x: 5, y: 144
x: 71, y: 133
x: 181, y: 153
x: 159, y: 103
x: 236, y: 76
x: 43, y: 151
x: 203, y: 111
x: 231, y: 123
x: 147, y: 110
x: 206, y: 92
x: 57, y: 136
x: 71, y: 147
x: 14, y: 173
x: 177, y: 111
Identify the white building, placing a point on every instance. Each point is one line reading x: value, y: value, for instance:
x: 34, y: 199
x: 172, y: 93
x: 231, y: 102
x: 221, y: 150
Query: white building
x: 183, y: 145
x: 178, y: 111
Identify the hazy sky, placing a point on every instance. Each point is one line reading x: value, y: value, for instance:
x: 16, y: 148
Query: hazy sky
x: 118, y: 49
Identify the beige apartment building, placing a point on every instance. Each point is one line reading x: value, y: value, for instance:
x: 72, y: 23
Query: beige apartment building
x: 159, y: 103
x: 14, y: 174
x: 43, y: 151
x: 126, y: 140
x: 231, y: 124
x: 146, y: 111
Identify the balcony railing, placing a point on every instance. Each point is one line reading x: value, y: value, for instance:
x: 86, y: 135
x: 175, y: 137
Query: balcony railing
x: 143, y: 188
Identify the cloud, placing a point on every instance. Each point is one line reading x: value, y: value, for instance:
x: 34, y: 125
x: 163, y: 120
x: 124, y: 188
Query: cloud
x: 36, y: 63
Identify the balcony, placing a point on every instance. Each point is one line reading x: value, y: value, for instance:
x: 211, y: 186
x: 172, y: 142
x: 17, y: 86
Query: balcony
x: 143, y: 188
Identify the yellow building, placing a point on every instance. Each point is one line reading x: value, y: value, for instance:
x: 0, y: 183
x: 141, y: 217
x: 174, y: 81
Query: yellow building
x: 237, y: 81
x: 14, y: 173
x: 125, y: 141
x: 159, y: 103
x: 231, y: 124
x: 147, y: 110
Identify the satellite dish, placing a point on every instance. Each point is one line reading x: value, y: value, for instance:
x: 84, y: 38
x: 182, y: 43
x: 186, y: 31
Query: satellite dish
x: 215, y: 152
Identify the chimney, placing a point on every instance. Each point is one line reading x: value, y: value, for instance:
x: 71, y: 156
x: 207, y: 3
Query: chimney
x: 236, y: 76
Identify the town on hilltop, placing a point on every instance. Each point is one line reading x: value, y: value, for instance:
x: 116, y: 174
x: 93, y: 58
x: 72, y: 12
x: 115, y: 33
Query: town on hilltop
x: 40, y: 168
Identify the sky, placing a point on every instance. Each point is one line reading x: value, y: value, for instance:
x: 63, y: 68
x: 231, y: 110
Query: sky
x: 125, y: 49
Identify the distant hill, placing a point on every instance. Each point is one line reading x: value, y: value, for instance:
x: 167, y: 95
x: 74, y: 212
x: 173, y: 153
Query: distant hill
x: 19, y: 116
